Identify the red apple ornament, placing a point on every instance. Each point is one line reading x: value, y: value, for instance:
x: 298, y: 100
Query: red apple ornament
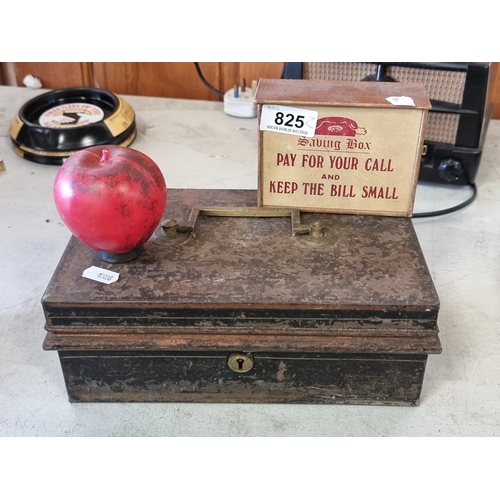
x: 111, y: 198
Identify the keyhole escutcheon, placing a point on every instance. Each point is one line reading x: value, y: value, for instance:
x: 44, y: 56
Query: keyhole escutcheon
x: 240, y: 362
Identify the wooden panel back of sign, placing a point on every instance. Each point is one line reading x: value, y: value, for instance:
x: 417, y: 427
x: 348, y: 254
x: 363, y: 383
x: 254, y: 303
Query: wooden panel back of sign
x: 340, y: 147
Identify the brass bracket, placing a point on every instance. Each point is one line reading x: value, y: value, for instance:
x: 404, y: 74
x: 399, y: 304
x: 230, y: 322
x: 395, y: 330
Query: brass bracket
x: 297, y: 227
x: 315, y: 235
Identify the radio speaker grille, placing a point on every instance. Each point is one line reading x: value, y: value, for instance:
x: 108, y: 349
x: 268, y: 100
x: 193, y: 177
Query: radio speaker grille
x: 461, y: 98
x: 441, y: 85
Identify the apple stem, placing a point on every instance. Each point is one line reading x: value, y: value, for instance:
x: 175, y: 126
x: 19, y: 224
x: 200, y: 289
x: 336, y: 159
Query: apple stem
x: 105, y: 155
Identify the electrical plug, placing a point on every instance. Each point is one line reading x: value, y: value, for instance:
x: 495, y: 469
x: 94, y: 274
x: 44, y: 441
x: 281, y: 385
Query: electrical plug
x: 239, y: 101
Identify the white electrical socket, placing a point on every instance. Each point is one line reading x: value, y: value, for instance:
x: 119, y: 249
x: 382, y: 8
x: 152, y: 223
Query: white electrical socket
x: 240, y: 103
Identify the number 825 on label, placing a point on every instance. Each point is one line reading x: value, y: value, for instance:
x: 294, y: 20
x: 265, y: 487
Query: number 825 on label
x: 286, y: 120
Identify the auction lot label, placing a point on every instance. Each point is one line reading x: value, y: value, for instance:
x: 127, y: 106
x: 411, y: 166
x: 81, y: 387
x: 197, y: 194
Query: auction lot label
x: 357, y: 160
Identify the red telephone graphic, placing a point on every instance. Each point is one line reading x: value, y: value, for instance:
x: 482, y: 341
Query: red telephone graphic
x: 337, y: 125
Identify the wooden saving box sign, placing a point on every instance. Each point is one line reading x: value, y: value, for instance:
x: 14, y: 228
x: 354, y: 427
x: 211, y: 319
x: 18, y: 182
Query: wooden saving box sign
x: 340, y: 147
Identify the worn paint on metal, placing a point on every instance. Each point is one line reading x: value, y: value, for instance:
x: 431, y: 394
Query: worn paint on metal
x: 275, y: 378
x: 350, y: 320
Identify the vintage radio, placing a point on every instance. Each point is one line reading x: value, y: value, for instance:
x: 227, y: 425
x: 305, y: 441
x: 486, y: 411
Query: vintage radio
x: 232, y: 302
x: 460, y: 95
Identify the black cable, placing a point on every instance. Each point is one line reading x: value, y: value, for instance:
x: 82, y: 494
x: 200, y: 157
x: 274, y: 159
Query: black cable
x: 203, y: 79
x: 451, y: 209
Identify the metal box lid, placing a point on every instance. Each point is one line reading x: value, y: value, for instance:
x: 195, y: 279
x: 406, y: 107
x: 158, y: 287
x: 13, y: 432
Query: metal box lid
x: 251, y: 278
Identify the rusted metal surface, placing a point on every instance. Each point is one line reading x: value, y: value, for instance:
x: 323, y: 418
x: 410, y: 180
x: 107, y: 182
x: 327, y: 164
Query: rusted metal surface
x: 349, y: 320
x: 252, y: 340
x: 243, y: 273
x: 274, y: 378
